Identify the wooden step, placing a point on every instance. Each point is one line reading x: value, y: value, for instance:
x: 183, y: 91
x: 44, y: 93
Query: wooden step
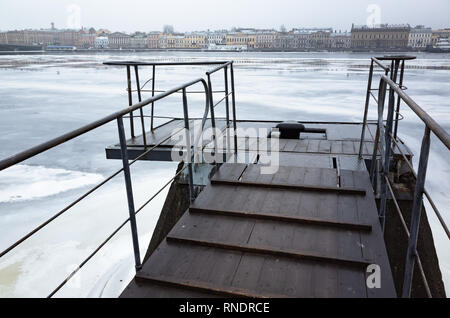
x: 285, y: 186
x: 270, y: 251
x: 202, y: 287
x: 284, y: 218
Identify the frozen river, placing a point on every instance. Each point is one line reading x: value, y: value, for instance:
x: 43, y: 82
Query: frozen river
x: 43, y: 96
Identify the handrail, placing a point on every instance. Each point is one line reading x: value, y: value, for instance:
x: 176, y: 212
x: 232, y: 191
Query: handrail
x: 136, y: 65
x: 219, y: 68
x: 369, y: 93
x: 24, y: 155
x: 79, y: 199
x: 427, y: 119
x: 384, y: 138
x: 393, y: 70
x: 433, y: 205
x: 87, y: 259
x: 405, y: 229
x: 133, y: 63
x: 380, y: 64
x: 119, y: 115
x: 226, y: 66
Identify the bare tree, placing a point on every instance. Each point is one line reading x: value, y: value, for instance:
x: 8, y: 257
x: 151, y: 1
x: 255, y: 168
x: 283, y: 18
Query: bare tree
x: 168, y: 29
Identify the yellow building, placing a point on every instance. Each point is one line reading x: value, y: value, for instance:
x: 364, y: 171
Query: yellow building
x: 194, y: 40
x: 242, y: 37
x: 171, y: 41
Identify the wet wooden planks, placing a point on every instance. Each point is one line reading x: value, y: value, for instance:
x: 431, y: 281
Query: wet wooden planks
x: 172, y: 127
x: 313, y: 146
x: 285, y: 243
x: 341, y: 140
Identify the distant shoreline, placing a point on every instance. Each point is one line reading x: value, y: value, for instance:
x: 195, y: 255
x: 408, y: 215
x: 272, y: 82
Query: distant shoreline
x: 87, y: 51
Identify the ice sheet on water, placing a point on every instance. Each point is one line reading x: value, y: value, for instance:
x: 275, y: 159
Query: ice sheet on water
x: 24, y: 182
x: 67, y: 91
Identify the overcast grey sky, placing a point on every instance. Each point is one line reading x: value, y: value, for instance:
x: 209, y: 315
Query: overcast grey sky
x: 190, y: 15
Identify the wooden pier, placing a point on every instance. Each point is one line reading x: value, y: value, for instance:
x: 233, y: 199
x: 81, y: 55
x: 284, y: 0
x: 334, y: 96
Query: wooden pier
x: 290, y: 234
x: 315, y: 150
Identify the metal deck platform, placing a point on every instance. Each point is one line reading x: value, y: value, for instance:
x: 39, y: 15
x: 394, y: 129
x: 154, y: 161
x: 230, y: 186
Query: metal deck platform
x: 291, y: 234
x: 339, y: 139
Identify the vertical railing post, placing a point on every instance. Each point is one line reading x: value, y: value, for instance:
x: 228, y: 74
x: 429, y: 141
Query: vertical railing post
x: 381, y: 99
x: 366, y: 109
x: 227, y: 103
x: 129, y: 188
x: 396, y: 64
x: 233, y: 104
x: 188, y: 146
x: 392, y: 70
x: 144, y: 137
x: 130, y: 100
x: 153, y: 94
x: 211, y: 103
x: 374, y: 156
x: 213, y: 116
x: 387, y: 156
x: 397, y: 111
x: 416, y: 214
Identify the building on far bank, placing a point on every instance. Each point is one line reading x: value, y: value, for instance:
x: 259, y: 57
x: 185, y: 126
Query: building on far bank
x: 285, y: 41
x: 3, y: 37
x: 419, y: 37
x: 301, y: 39
x: 14, y: 37
x: 153, y: 40
x: 138, y: 40
x: 311, y: 38
x: 86, y: 38
x: 195, y: 40
x: 340, y: 40
x: 320, y: 39
x: 42, y: 37
x: 172, y: 41
x: 441, y: 34
x: 101, y: 42
x: 242, y: 37
x: 216, y: 37
x: 265, y: 39
x: 118, y: 40
x: 382, y: 36
x: 101, y: 32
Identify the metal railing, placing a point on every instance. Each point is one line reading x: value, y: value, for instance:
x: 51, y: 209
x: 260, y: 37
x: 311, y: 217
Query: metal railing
x: 386, y: 136
x: 117, y: 116
x: 397, y: 64
x: 228, y: 91
x: 227, y: 66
